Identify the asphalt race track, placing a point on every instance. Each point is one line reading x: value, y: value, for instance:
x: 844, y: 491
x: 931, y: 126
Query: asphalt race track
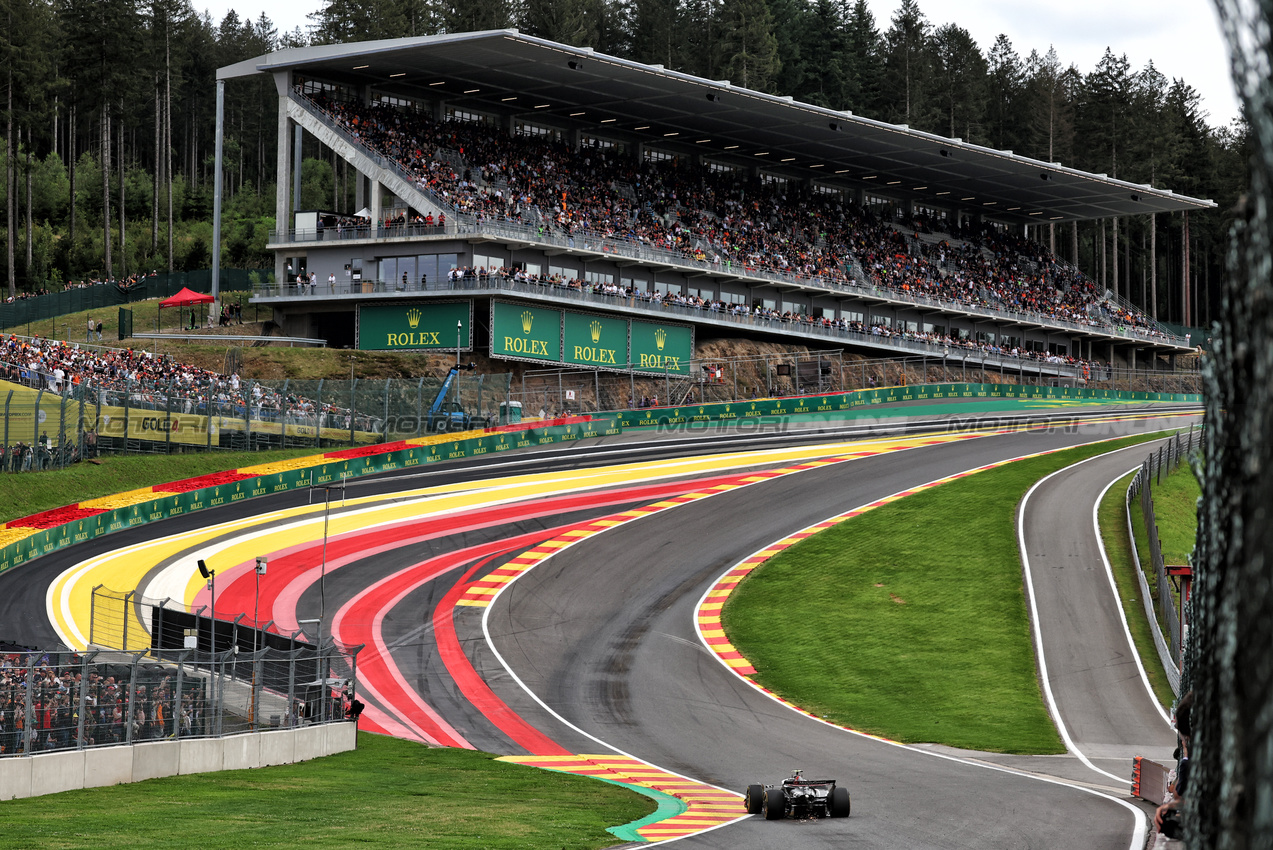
x: 595, y: 649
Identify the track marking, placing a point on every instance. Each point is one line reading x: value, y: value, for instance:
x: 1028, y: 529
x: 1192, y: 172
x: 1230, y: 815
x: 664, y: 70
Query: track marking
x: 707, y: 620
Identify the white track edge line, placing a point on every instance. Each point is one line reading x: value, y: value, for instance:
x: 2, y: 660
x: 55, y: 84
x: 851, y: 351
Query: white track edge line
x: 1139, y: 833
x: 1113, y: 586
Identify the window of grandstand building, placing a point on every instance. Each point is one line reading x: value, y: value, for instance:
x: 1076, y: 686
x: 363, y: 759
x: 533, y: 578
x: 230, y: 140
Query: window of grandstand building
x: 819, y: 189
x: 931, y: 213
x: 801, y: 307
x: 406, y: 103
x: 655, y: 155
x: 421, y: 270
x: 637, y: 283
x: 766, y: 303
x: 851, y: 316
x: 1058, y: 349
x: 664, y: 288
x: 773, y: 179
x: 533, y: 269
x: 566, y: 272
x: 930, y: 328
x: 733, y: 298
x: 878, y: 204
x: 587, y: 141
x: 882, y: 321
x: 311, y: 87
x: 696, y: 292
x: 468, y: 116
x: 525, y: 128
x: 720, y: 167
x: 827, y: 312
x: 909, y: 326
x: 488, y: 261
x: 599, y: 278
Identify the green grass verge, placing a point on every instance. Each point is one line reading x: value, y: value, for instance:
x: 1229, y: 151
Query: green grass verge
x: 1118, y: 548
x: 387, y: 794
x: 910, y: 621
x: 27, y: 493
x: 1176, y: 509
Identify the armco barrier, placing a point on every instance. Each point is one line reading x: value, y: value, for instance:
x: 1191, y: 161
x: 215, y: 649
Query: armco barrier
x: 24, y: 539
x: 52, y: 773
x: 836, y: 402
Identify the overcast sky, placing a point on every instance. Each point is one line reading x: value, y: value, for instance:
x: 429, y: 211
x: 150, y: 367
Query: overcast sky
x: 1182, y: 37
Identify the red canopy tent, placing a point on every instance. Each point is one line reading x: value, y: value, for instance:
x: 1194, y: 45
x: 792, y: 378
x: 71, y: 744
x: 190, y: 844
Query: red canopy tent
x: 186, y: 298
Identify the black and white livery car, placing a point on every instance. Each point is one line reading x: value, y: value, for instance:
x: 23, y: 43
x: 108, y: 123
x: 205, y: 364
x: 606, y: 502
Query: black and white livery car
x: 798, y: 797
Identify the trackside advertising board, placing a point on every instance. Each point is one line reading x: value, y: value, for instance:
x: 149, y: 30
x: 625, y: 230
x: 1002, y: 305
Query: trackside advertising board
x: 661, y: 347
x: 525, y: 332
x: 21, y: 542
x: 421, y: 326
x: 528, y: 332
x: 594, y: 340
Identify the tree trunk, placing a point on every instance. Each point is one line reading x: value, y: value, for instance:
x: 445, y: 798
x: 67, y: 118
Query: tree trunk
x: 123, y: 246
x: 1104, y: 279
x: 1116, y: 257
x: 70, y: 157
x: 1153, y: 265
x: 159, y: 173
x: 10, y: 211
x: 168, y: 138
x: 106, y: 190
x: 28, y: 205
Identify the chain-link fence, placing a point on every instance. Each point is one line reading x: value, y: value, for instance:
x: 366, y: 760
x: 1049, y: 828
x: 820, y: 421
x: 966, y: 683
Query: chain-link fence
x: 1166, y: 605
x: 27, y: 311
x: 50, y: 423
x: 53, y: 701
x: 555, y: 392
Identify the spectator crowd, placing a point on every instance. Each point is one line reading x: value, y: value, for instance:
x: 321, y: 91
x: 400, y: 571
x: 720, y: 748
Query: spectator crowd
x: 143, y: 379
x: 722, y: 217
x: 40, y: 705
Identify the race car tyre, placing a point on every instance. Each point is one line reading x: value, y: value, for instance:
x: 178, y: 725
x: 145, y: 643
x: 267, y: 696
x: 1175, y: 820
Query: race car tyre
x: 774, y: 804
x: 840, y: 803
x: 755, y: 799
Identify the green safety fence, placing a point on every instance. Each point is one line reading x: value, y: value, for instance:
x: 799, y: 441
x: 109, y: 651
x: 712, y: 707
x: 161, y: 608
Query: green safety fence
x: 372, y: 460
x: 739, y: 410
x: 162, y: 285
x: 320, y: 470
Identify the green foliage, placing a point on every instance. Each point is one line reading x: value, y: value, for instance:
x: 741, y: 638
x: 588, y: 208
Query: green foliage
x: 928, y: 74
x: 387, y: 793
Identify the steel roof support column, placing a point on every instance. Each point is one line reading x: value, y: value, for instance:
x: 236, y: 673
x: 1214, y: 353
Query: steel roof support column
x: 216, y: 194
x: 283, y: 168
x: 299, y: 137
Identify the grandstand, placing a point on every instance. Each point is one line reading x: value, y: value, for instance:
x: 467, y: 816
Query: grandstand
x: 548, y: 204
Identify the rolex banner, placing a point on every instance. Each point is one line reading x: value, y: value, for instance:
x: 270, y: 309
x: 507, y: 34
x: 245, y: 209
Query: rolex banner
x: 423, y: 325
x: 661, y: 347
x: 525, y: 332
x: 597, y: 341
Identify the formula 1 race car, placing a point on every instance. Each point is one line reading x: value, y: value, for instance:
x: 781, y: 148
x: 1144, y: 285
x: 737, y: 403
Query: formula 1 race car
x: 798, y: 797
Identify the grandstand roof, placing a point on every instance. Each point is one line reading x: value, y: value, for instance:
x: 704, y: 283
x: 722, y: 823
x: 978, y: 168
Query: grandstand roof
x: 503, y: 72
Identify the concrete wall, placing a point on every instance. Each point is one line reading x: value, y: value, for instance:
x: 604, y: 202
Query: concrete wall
x: 50, y: 773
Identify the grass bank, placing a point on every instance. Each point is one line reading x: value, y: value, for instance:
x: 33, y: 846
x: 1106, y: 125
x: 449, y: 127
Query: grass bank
x: 388, y: 794
x: 26, y: 493
x: 910, y: 620
x: 1118, y: 548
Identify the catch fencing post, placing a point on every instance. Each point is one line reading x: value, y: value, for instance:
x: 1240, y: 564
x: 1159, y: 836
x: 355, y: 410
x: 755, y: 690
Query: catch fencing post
x: 92, y: 613
x: 419, y: 407
x: 353, y: 385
